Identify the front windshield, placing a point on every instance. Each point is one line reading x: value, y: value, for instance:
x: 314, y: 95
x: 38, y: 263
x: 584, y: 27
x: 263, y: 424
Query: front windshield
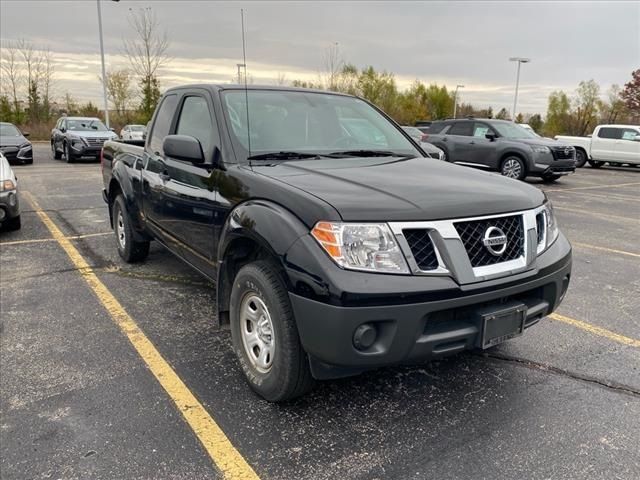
x: 511, y: 130
x: 86, y: 125
x: 8, y: 130
x: 136, y: 128
x: 308, y: 122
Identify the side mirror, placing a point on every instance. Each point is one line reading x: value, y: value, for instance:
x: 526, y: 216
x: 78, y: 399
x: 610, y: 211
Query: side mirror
x: 490, y: 136
x: 183, y: 147
x: 113, y: 130
x: 63, y: 129
x: 25, y: 134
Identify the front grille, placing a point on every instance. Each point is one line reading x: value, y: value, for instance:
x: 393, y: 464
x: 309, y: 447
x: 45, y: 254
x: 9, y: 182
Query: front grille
x: 472, y: 233
x: 10, y: 152
x: 95, y: 142
x: 563, y: 153
x: 540, y: 226
x: 422, y: 248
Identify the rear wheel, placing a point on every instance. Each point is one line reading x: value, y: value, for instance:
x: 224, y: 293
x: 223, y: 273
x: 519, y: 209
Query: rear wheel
x: 595, y: 163
x: 513, y: 167
x: 581, y: 158
x: 130, y: 249
x: 265, y: 336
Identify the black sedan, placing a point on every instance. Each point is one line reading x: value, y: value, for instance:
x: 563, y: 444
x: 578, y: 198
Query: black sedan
x: 14, y: 144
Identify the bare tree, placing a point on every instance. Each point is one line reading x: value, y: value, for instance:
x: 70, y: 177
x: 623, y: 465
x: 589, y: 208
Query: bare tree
x: 147, y: 52
x: 120, y: 91
x: 281, y: 79
x: 12, y: 75
x: 46, y: 74
x: 32, y: 59
x: 333, y: 64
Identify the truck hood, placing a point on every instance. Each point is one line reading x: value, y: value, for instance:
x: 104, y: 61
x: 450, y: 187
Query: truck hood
x: 387, y: 189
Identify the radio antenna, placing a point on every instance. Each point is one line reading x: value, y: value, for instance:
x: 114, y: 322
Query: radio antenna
x: 246, y: 90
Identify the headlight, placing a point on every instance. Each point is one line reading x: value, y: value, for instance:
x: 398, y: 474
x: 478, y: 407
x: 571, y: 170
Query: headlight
x: 7, y: 185
x: 547, y: 222
x: 540, y: 149
x: 370, y: 247
x: 24, y: 145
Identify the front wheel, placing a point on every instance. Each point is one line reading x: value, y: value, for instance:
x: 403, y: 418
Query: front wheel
x: 513, y: 167
x: 265, y: 336
x: 595, y: 163
x: 54, y: 151
x: 130, y: 249
x: 68, y: 156
x: 581, y: 158
x: 12, y: 224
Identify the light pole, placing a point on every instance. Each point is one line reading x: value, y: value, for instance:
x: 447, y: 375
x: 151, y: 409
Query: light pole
x: 455, y: 100
x: 104, y: 74
x: 520, y: 60
x: 240, y: 65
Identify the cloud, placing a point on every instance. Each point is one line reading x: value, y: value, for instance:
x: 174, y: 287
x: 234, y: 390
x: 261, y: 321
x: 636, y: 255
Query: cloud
x: 448, y: 43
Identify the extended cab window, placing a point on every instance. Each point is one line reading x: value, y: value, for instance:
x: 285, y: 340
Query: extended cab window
x: 462, y: 128
x: 195, y: 120
x: 162, y: 123
x: 611, y: 133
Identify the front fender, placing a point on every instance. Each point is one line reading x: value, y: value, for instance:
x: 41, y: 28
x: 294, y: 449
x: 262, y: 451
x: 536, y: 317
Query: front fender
x: 266, y: 224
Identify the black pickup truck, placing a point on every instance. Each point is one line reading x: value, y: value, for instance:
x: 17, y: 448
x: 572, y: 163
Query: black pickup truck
x: 336, y: 247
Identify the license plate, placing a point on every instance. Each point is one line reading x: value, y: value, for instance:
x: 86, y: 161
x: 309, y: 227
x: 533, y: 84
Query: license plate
x: 502, y: 324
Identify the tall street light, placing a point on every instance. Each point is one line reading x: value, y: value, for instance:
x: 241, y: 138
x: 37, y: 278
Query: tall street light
x: 104, y: 74
x: 455, y: 100
x: 520, y: 60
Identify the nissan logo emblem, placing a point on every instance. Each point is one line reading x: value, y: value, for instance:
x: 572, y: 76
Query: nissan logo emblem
x: 495, y: 241
x: 567, y: 151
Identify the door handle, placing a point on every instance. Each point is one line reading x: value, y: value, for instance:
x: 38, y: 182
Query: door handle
x: 444, y: 139
x: 472, y: 143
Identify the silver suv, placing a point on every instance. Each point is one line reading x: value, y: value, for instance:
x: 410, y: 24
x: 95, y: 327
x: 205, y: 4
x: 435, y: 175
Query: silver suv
x: 502, y: 146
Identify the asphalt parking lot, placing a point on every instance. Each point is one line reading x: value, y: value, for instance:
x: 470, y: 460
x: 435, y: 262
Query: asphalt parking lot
x: 77, y: 400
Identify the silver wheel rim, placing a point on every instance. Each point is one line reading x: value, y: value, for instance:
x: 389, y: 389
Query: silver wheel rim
x: 120, y: 230
x: 511, y: 168
x: 256, y: 330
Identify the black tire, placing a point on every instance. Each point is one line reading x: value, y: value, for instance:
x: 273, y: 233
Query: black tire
x: 56, y: 154
x: 288, y: 376
x: 130, y: 249
x: 68, y: 156
x: 550, y: 178
x: 581, y: 158
x: 12, y: 224
x: 595, y: 163
x: 513, y: 167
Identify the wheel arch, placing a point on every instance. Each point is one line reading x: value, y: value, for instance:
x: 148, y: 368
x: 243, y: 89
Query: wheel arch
x: 255, y: 230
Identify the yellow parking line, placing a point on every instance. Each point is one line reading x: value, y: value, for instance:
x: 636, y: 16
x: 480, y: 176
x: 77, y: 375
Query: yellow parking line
x: 598, y: 214
x: 602, y: 332
x: 605, y: 249
x: 222, y: 452
x: 591, y: 188
x: 40, y: 240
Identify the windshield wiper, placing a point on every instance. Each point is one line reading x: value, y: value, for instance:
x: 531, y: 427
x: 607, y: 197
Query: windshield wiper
x: 283, y: 156
x: 369, y: 153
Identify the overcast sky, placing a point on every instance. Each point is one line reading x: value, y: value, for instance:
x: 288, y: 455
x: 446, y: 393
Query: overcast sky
x: 453, y: 43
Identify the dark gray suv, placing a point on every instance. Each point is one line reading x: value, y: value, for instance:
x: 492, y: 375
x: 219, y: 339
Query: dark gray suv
x: 502, y: 146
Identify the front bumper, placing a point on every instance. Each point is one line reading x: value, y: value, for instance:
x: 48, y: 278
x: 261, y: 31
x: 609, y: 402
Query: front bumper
x: 18, y: 155
x: 81, y: 150
x: 9, y: 205
x: 445, y: 321
x: 547, y: 164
